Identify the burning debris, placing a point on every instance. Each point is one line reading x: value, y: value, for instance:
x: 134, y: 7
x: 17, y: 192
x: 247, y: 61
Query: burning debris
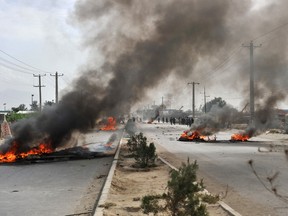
x: 191, y: 136
x: 142, y: 44
x: 13, y: 154
x: 111, y: 124
x: 240, y: 137
x: 244, y: 136
x: 216, y: 120
x: 195, y: 136
x: 44, y: 152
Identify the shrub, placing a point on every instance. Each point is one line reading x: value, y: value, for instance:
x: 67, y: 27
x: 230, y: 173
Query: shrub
x: 13, y: 116
x: 144, y: 154
x: 210, y: 199
x: 150, y: 204
x: 181, y: 198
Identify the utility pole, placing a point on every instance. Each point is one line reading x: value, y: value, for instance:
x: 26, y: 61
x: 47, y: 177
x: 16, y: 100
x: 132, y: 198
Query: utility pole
x: 56, y: 85
x: 39, y: 86
x: 252, y: 109
x: 205, y: 100
x: 162, y: 106
x: 32, y: 95
x: 193, y: 96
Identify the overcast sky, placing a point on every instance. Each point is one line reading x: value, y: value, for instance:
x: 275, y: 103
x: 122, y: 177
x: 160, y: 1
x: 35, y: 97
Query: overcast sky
x: 40, y: 33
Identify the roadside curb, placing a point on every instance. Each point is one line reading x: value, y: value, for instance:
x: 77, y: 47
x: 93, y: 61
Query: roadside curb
x: 228, y: 209
x: 105, y: 190
x: 221, y: 203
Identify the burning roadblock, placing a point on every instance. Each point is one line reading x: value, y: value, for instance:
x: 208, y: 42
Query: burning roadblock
x: 110, y: 124
x: 92, y: 144
x: 207, y: 126
x: 240, y: 137
x: 196, y: 136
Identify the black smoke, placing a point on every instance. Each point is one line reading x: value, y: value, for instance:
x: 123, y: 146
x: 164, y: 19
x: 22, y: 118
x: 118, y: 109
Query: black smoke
x: 135, y: 45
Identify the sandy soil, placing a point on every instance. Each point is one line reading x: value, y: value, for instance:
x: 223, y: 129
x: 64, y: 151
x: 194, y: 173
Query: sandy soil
x: 239, y: 203
x: 129, y: 185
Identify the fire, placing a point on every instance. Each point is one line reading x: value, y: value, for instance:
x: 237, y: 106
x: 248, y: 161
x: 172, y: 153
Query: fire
x: 111, y: 123
x: 12, y: 154
x: 240, y: 137
x: 190, y: 136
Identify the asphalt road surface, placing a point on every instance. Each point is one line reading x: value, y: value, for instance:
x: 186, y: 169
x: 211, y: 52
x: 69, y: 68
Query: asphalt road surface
x: 57, y: 188
x: 226, y: 164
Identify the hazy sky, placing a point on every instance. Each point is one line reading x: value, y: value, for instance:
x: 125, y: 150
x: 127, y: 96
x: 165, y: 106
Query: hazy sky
x: 40, y: 33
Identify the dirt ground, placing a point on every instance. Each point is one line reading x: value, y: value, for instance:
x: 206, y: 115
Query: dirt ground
x: 129, y: 185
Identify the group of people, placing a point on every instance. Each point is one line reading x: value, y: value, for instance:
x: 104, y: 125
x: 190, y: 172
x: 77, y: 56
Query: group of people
x: 181, y: 120
x: 186, y: 121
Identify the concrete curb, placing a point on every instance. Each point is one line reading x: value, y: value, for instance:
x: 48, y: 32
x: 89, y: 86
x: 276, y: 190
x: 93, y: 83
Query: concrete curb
x: 105, y: 190
x: 228, y: 209
x: 221, y: 203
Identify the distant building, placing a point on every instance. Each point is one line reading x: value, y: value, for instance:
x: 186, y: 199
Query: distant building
x: 2, y: 114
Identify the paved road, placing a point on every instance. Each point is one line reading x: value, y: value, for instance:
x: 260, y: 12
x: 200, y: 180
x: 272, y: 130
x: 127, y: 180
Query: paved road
x: 226, y: 163
x: 56, y: 188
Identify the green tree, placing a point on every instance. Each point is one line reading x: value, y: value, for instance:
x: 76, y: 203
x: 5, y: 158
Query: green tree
x: 21, y: 107
x: 182, y: 187
x: 143, y: 154
x: 216, y: 102
x: 13, y: 116
x: 181, y: 198
x: 48, y: 103
x: 34, y: 106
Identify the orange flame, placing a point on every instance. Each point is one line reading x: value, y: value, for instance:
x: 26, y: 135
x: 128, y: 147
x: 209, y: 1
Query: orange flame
x: 111, y: 123
x: 240, y: 137
x: 11, y: 155
x: 186, y: 135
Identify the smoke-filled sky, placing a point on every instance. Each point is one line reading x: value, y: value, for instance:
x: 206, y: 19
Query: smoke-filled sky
x: 158, y: 46
x: 138, y: 51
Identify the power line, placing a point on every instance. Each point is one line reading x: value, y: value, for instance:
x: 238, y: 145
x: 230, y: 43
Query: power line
x: 272, y: 30
x: 269, y: 39
x: 222, y: 63
x: 222, y: 69
x: 228, y: 58
x: 18, y: 68
x: 65, y: 80
x: 5, y: 60
x: 237, y: 49
x: 23, y: 62
x: 226, y: 68
x: 15, y: 69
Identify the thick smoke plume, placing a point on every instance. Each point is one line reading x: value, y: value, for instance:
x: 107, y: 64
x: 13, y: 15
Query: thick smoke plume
x: 219, y: 118
x: 134, y: 46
